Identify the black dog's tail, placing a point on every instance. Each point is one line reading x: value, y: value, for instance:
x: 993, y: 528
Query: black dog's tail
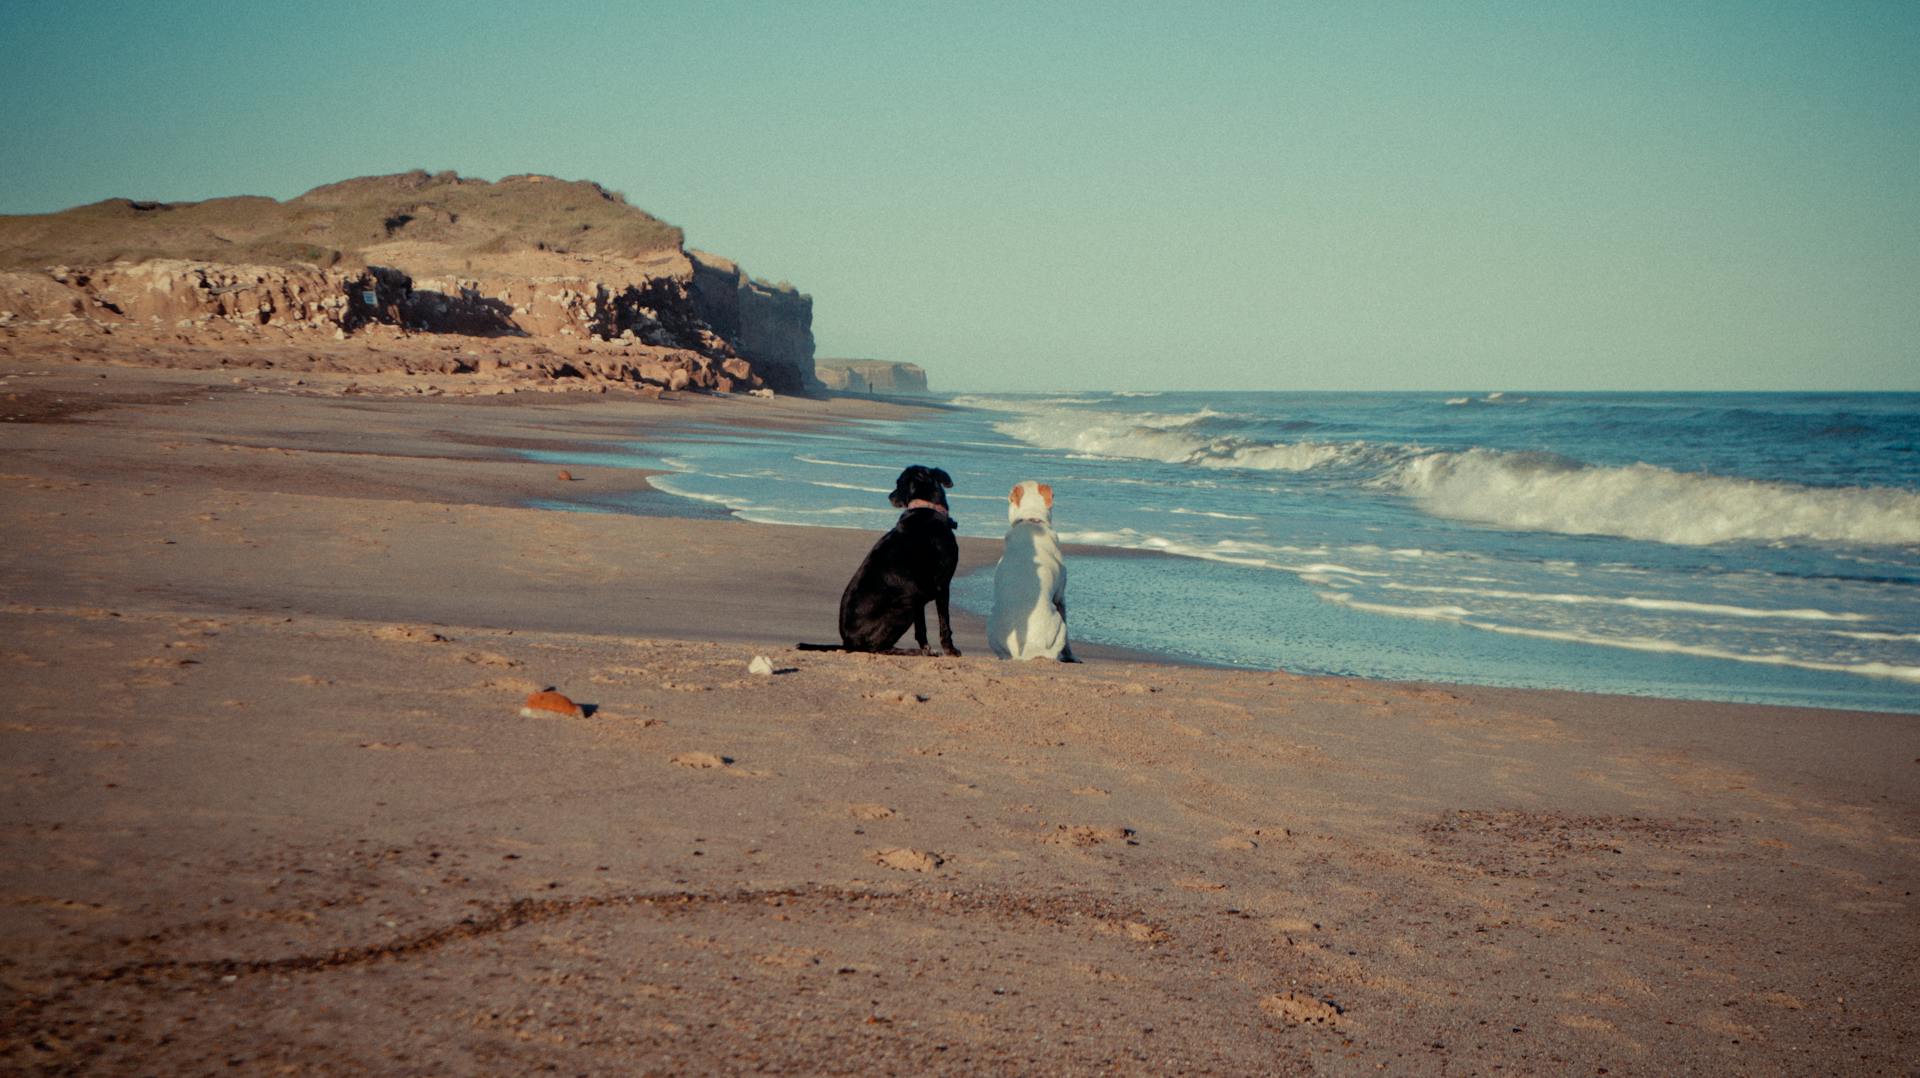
x: 821, y: 647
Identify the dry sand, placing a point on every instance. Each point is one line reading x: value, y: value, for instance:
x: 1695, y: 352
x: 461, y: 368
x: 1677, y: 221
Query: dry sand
x: 271, y: 806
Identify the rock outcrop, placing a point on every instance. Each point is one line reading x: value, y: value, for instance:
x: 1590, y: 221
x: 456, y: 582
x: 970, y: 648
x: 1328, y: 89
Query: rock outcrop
x: 871, y: 376
x: 769, y: 324
x: 528, y: 257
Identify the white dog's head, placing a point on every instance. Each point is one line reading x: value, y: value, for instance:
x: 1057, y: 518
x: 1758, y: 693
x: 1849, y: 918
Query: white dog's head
x: 1030, y: 501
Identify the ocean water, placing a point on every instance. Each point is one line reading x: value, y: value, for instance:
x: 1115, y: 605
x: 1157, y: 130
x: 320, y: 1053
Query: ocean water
x: 1744, y: 547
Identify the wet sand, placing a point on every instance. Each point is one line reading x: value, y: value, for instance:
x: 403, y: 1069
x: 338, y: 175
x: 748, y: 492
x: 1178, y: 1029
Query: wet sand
x: 271, y: 805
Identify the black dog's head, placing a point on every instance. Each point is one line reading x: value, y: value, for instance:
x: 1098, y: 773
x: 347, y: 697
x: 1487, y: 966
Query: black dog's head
x: 920, y: 483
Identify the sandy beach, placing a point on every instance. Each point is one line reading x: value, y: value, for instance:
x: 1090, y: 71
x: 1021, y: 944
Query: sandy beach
x: 271, y: 805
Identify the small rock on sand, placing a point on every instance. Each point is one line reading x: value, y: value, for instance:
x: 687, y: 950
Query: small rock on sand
x: 547, y: 703
x: 761, y: 665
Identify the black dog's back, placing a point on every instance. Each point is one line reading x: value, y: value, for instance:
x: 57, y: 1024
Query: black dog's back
x: 908, y: 568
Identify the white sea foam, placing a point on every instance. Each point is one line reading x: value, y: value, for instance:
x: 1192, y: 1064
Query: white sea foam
x: 845, y: 516
x: 1706, y: 651
x: 847, y: 486
x: 667, y: 484
x: 1462, y: 616
x: 1538, y: 492
x: 1129, y: 539
x: 1184, y: 511
x: 840, y: 463
x: 1286, y: 559
x: 1425, y: 613
x: 1677, y: 606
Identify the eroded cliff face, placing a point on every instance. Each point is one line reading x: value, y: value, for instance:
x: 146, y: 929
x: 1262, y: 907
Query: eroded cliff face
x: 651, y: 323
x: 170, y: 291
x: 770, y: 325
x: 567, y: 265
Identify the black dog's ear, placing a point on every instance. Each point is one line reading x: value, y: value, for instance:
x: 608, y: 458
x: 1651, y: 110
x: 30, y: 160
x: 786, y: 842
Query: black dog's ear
x: 942, y: 478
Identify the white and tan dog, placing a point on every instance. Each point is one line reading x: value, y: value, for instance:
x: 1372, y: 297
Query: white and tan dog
x: 1029, y: 619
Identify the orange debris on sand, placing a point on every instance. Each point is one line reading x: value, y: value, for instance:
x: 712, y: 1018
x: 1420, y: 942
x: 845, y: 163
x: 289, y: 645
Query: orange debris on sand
x: 547, y: 703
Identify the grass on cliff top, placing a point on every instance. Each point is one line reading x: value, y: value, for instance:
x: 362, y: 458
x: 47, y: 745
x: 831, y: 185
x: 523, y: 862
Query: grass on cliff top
x: 339, y: 221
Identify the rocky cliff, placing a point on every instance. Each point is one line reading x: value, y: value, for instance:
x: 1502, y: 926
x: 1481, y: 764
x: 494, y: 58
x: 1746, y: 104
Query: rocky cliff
x: 570, y: 265
x: 771, y: 324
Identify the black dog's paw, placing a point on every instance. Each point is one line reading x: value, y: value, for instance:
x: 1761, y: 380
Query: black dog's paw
x: 952, y: 651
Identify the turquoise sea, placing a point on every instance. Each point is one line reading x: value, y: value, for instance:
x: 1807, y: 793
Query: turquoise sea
x: 1722, y: 546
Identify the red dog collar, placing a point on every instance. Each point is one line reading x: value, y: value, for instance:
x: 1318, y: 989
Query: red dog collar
x: 922, y: 503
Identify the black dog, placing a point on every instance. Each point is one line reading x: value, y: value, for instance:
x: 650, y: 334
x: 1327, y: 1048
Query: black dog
x: 910, y: 565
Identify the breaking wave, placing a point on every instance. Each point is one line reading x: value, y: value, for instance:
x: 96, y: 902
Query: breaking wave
x: 1173, y: 438
x: 1542, y: 492
x: 1514, y: 490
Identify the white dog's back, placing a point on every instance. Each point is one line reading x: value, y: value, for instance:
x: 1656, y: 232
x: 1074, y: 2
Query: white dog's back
x: 1029, y: 619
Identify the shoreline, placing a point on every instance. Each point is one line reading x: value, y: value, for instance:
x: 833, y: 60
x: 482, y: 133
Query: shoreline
x: 683, y: 506
x: 620, y: 487
x: 271, y: 803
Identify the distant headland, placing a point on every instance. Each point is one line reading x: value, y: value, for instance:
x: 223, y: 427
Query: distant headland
x: 871, y: 376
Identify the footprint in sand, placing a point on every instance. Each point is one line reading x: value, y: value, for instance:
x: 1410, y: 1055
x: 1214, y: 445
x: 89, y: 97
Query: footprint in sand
x: 1302, y: 1008
x: 1137, y: 931
x: 489, y: 658
x: 906, y: 860
x: 1089, y: 835
x: 701, y: 760
x: 869, y: 810
x: 898, y: 696
x: 413, y: 633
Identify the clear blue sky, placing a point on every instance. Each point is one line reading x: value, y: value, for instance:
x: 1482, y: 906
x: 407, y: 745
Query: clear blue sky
x: 1023, y: 196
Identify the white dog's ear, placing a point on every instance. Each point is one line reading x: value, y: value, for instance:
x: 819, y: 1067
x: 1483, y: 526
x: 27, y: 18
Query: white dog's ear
x: 1018, y: 489
x: 1046, y: 494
